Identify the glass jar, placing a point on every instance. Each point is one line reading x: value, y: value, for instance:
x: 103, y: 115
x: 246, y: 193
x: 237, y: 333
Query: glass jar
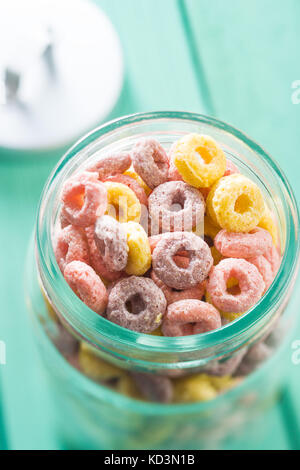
x: 93, y: 415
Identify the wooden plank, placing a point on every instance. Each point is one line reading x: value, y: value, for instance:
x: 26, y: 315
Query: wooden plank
x: 250, y: 52
x: 159, y: 75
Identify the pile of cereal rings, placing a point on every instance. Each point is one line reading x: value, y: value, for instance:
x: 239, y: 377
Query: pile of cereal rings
x: 169, y: 244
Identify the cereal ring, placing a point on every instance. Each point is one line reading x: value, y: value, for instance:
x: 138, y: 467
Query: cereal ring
x: 110, y: 165
x: 197, y: 387
x: 84, y: 199
x: 137, y: 178
x: 227, y: 317
x: 71, y: 245
x: 123, y: 204
x: 251, y: 285
x: 225, y: 366
x: 190, y: 317
x: 96, y: 368
x: 87, y: 285
x: 210, y: 228
x: 167, y: 270
x: 96, y: 259
x: 255, y: 356
x: 136, y: 303
x: 139, y: 253
x: 231, y: 168
x: 173, y: 295
x: 243, y: 245
x: 133, y: 185
x: 65, y: 342
x: 235, y: 203
x: 111, y: 240
x: 268, y: 223
x: 265, y: 269
x: 274, y: 259
x: 174, y: 174
x: 154, y: 387
x: 199, y: 160
x: 175, y: 206
x: 150, y: 161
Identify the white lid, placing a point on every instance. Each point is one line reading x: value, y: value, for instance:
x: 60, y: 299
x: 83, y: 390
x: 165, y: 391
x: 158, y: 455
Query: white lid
x: 61, y: 71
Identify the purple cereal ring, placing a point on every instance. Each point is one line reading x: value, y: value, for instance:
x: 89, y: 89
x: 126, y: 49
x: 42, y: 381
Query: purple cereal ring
x: 166, y: 269
x: 132, y: 184
x: 84, y: 199
x: 110, y: 165
x: 111, y: 240
x: 71, y: 245
x: 96, y: 259
x: 225, y: 366
x: 251, y: 285
x: 190, y: 317
x: 151, y: 162
x: 243, y: 245
x: 173, y: 295
x: 137, y: 304
x: 154, y: 387
x: 175, y: 207
x: 87, y: 285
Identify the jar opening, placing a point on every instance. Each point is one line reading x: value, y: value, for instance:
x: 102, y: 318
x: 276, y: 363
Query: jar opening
x: 167, y: 127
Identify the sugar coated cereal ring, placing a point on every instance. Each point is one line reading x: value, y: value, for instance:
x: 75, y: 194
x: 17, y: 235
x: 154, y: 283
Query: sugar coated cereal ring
x: 175, y: 206
x: 87, y: 285
x: 268, y: 223
x: 83, y: 200
x: 265, y: 269
x: 174, y: 174
x: 259, y: 353
x: 151, y: 162
x: 167, y: 270
x: 139, y: 180
x: 235, y: 203
x: 173, y: 295
x: 132, y: 184
x: 199, y: 160
x: 96, y: 368
x: 231, y: 168
x: 251, y: 285
x: 153, y: 387
x: 190, y: 317
x: 136, y: 303
x: 227, y: 366
x: 227, y: 317
x: 122, y: 202
x: 111, y: 240
x: 96, y: 260
x: 110, y: 165
x: 274, y: 258
x: 71, y: 245
x: 243, y: 245
x: 194, y: 388
x: 139, y: 252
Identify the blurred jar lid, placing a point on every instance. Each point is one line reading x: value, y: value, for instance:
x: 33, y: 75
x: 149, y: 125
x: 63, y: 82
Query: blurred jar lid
x: 61, y: 71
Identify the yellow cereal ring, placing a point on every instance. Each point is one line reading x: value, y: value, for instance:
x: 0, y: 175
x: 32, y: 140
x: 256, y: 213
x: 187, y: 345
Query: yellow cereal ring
x: 95, y: 367
x: 210, y: 227
x: 137, y: 178
x: 122, y: 202
x: 194, y: 388
x: 139, y: 252
x: 127, y: 387
x: 221, y: 384
x: 199, y: 160
x: 217, y: 256
x: 268, y: 223
x: 235, y: 203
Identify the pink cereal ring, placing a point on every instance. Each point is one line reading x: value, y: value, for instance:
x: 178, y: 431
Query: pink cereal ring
x: 110, y: 165
x: 173, y: 295
x: 190, y: 317
x: 132, y: 184
x: 174, y: 174
x: 83, y: 200
x: 87, y: 285
x: 151, y: 162
x: 96, y: 259
x: 71, y: 245
x: 251, y: 285
x: 265, y: 269
x: 243, y: 245
x: 231, y: 168
x: 274, y: 258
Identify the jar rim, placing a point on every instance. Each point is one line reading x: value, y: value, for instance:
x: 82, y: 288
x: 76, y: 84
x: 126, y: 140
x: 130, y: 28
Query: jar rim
x: 98, y: 330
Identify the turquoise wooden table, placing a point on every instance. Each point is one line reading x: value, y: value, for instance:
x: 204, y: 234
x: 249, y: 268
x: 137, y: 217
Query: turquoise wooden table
x: 233, y: 59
